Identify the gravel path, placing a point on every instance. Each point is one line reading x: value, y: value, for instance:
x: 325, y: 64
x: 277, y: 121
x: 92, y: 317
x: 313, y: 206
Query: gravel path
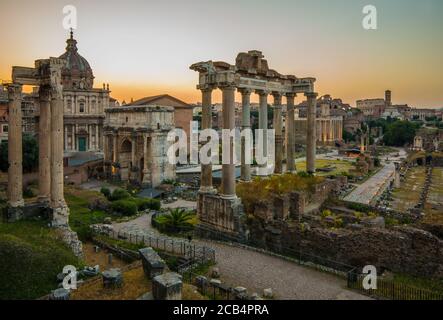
x: 257, y: 271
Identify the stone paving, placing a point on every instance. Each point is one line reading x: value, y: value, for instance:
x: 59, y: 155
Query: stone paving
x: 258, y: 271
x: 369, y: 189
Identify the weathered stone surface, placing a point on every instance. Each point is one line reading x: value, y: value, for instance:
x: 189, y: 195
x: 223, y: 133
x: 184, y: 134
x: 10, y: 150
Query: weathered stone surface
x: 268, y: 294
x: 394, y: 249
x: 215, y: 273
x: 377, y: 222
x: 167, y: 287
x: 153, y: 264
x: 70, y: 238
x: 215, y: 282
x: 112, y: 278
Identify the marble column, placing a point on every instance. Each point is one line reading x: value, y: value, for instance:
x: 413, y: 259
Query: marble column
x: 263, y: 125
x: 15, y: 149
x: 133, y: 144
x: 206, y: 169
x: 146, y: 177
x: 44, y: 144
x: 278, y: 127
x: 246, y: 124
x: 57, y: 197
x: 228, y: 170
x: 97, y: 145
x: 290, y: 128
x: 89, y: 137
x: 311, y: 139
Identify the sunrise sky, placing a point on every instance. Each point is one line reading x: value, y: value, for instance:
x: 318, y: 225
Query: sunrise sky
x: 145, y: 47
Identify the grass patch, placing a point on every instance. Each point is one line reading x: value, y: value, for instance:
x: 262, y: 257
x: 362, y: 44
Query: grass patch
x: 420, y: 283
x: 31, y: 256
x: 338, y: 167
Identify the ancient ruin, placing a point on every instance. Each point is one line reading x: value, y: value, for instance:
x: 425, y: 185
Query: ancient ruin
x: 47, y: 75
x: 250, y: 74
x: 136, y: 144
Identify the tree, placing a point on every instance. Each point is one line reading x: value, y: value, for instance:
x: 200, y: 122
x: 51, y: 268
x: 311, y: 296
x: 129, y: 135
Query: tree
x: 30, y: 154
x: 400, y: 133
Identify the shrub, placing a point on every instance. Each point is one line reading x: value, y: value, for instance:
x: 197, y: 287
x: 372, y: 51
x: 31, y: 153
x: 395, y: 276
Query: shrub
x: 124, y: 207
x: 145, y: 204
x: 120, y: 194
x: 106, y: 192
x: 176, y: 220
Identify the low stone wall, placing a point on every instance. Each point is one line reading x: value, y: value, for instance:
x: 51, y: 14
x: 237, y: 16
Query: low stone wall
x: 401, y: 249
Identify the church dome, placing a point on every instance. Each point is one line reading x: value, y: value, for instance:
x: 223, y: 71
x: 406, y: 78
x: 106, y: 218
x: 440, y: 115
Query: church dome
x: 77, y: 74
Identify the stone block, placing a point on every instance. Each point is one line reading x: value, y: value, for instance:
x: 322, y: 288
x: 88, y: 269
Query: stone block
x: 216, y: 273
x: 167, y: 287
x: 153, y: 264
x: 112, y: 278
x: 201, y: 282
x: 268, y: 294
x: 215, y: 282
x: 378, y: 222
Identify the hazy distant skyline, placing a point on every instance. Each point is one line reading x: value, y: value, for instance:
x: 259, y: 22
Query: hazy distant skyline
x: 144, y: 48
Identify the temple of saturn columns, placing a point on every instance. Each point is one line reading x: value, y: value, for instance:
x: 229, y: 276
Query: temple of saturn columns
x: 47, y: 76
x: 250, y: 74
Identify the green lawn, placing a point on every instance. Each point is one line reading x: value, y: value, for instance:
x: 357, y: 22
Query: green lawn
x: 80, y: 216
x: 339, y: 166
x: 408, y: 195
x: 31, y: 256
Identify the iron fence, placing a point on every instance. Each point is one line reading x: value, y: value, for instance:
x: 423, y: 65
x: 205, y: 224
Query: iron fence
x: 186, y: 249
x: 391, y: 290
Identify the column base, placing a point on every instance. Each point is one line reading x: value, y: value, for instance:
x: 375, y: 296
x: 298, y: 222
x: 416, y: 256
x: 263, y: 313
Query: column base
x: 60, y: 217
x: 228, y: 196
x: 44, y: 200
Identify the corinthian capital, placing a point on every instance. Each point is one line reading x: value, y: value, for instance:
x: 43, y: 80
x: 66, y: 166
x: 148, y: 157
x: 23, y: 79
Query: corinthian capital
x: 14, y: 91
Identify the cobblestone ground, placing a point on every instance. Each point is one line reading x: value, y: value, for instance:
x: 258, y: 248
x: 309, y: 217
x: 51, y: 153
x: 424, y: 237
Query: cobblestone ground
x: 256, y: 271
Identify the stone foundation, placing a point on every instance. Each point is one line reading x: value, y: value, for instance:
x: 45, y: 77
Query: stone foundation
x: 14, y: 214
x: 221, y: 215
x: 400, y: 249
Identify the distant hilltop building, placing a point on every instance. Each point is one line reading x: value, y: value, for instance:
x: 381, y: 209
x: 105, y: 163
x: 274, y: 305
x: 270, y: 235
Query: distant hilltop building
x: 383, y: 108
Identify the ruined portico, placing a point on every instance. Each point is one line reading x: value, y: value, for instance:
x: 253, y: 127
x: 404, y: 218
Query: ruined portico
x: 250, y: 74
x: 47, y: 75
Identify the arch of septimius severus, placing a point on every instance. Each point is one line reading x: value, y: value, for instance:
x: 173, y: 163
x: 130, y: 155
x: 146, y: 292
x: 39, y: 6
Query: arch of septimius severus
x: 47, y: 76
x: 250, y: 74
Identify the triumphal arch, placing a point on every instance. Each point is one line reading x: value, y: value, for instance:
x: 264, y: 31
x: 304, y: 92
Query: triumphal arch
x: 46, y: 74
x: 250, y: 74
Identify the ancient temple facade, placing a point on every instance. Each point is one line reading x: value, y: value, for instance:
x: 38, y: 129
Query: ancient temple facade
x: 136, y: 144
x: 329, y: 121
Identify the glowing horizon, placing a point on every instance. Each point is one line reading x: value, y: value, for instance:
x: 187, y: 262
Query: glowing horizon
x: 144, y: 48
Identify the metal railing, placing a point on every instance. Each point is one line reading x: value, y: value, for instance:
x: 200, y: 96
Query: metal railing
x: 391, y: 290
x: 183, y: 248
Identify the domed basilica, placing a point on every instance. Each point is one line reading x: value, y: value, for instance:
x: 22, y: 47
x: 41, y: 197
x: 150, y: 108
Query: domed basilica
x: 83, y: 104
